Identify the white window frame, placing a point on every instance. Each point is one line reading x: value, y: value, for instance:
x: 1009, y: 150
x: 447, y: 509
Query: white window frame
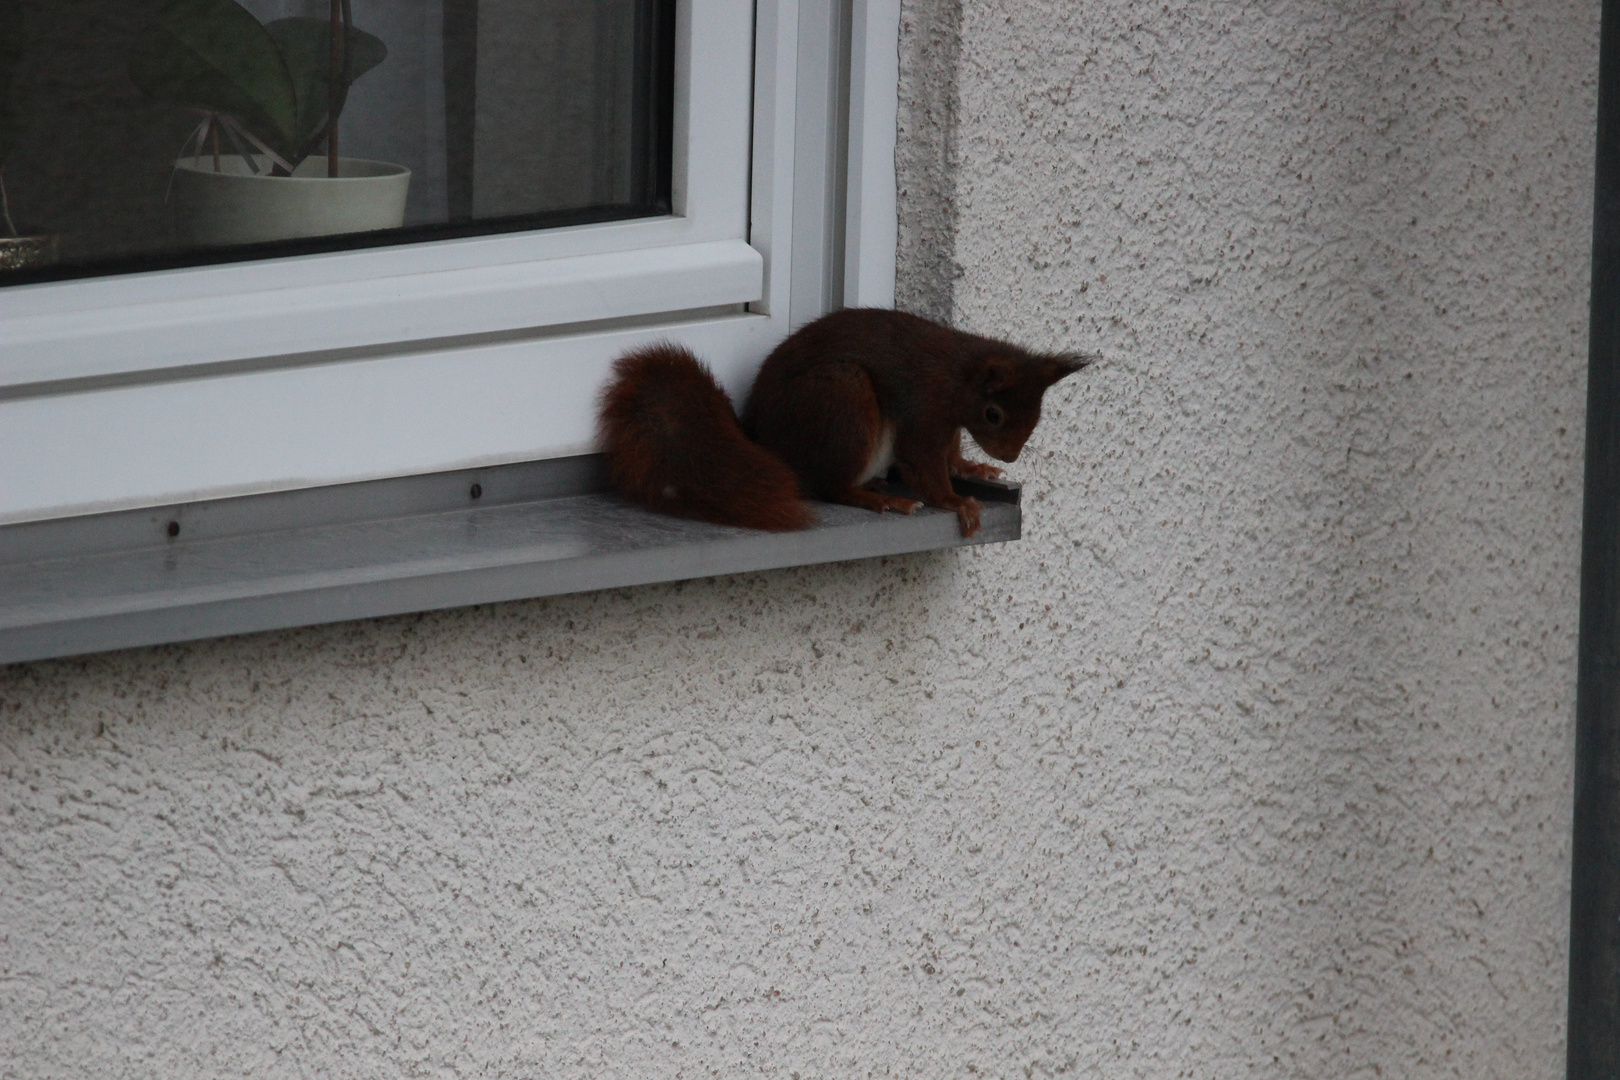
x: 167, y: 387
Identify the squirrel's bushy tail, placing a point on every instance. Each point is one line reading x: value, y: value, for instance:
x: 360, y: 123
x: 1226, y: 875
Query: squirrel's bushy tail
x: 673, y: 445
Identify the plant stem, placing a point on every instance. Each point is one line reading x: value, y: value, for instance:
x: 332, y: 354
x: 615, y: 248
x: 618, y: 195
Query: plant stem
x: 334, y: 93
x: 5, y: 204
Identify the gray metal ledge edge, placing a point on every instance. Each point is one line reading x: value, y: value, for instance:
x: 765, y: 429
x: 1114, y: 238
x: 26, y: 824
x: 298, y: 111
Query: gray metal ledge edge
x: 386, y: 547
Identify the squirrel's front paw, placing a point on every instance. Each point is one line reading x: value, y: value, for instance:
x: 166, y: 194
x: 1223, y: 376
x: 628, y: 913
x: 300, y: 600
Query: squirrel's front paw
x: 967, y: 512
x: 976, y: 471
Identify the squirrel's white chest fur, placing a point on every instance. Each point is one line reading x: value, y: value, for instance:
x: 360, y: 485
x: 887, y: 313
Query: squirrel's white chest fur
x: 882, y: 454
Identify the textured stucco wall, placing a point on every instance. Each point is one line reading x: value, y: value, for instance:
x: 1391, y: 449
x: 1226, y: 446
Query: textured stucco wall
x: 1251, y: 759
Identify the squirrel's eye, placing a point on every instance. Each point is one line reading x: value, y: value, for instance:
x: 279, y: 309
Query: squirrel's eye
x: 993, y: 415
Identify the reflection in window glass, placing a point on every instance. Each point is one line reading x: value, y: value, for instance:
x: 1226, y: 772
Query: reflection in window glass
x: 146, y: 133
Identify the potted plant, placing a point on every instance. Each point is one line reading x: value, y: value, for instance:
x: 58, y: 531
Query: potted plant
x: 16, y: 250
x: 270, y: 96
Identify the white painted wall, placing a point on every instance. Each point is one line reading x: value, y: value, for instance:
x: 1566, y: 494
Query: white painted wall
x: 1251, y: 759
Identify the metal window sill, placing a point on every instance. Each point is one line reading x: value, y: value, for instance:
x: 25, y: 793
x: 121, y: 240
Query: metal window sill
x: 385, y: 547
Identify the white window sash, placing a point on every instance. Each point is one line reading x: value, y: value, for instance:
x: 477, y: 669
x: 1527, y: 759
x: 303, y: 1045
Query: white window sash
x: 872, y: 231
x: 167, y: 337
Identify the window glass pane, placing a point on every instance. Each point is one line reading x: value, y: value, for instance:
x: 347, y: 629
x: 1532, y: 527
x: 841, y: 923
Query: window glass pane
x: 137, y: 134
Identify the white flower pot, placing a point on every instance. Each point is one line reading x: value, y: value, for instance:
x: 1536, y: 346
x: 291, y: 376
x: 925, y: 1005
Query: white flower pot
x: 26, y: 252
x: 234, y: 206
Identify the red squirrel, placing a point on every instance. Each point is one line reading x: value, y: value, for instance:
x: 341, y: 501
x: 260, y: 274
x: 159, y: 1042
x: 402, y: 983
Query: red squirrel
x: 834, y: 406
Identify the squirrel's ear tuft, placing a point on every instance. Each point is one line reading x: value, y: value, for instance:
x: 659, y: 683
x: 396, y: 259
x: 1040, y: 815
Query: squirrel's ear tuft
x: 1057, y: 366
x: 998, y: 373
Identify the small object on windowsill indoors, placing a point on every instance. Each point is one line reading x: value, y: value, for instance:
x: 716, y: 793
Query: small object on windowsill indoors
x: 834, y: 407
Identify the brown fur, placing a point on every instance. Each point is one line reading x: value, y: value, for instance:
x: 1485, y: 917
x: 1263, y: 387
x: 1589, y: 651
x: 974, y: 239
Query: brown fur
x: 673, y: 445
x: 818, y: 410
x: 818, y: 393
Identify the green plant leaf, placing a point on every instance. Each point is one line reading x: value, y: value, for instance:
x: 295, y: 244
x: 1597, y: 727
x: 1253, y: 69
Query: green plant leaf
x: 305, y: 45
x: 213, y: 54
x: 11, y: 50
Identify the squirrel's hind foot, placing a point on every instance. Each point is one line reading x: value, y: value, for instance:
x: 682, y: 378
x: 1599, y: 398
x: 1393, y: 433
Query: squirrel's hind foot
x: 877, y: 501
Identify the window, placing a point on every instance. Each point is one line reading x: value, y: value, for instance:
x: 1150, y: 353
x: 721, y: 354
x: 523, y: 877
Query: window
x: 183, y: 132
x: 292, y: 370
